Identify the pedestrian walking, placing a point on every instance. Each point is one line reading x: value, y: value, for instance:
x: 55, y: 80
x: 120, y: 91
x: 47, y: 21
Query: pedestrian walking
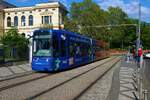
x: 140, y: 57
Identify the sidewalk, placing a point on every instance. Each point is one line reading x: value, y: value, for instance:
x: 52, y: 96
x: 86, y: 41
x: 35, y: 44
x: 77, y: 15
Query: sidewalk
x: 126, y: 80
x: 12, y: 70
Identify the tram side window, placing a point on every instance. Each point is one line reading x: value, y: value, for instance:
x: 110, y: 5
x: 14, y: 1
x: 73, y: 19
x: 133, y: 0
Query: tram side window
x: 84, y: 50
x: 63, y: 48
x: 56, y: 52
x: 88, y: 49
x: 71, y: 49
x: 78, y: 49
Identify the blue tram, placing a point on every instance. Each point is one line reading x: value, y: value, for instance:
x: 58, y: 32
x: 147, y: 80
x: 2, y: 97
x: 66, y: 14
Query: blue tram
x: 56, y: 50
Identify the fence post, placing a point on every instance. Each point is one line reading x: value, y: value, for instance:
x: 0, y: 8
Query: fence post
x: 145, y: 92
x: 30, y: 50
x: 140, y: 88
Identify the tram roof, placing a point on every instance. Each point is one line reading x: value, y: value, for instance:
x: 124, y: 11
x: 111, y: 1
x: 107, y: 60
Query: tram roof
x: 65, y: 32
x: 71, y: 33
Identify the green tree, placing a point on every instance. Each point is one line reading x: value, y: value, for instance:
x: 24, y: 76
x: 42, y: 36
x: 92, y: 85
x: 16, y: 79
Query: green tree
x: 116, y: 16
x: 13, y: 40
x: 121, y: 35
x: 86, y: 14
x: 145, y: 36
x: 83, y: 15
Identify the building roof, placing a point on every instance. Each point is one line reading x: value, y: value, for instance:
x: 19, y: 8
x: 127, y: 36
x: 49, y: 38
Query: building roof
x: 4, y: 4
x: 37, y: 6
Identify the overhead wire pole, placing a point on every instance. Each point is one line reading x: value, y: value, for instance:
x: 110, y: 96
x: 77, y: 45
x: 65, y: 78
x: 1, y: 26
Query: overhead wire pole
x: 140, y: 78
x: 139, y: 26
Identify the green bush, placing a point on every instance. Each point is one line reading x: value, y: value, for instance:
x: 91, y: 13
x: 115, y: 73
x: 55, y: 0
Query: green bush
x: 15, y: 45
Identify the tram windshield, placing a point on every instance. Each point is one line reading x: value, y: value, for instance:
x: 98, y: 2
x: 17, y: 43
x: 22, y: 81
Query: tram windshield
x: 42, y: 45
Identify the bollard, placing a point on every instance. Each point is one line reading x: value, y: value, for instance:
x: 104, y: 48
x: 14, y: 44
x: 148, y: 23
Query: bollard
x: 140, y: 88
x: 145, y: 93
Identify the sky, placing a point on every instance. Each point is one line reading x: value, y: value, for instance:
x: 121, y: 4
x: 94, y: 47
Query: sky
x: 129, y: 6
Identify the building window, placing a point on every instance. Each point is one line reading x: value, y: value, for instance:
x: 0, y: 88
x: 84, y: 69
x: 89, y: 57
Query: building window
x: 8, y: 22
x: 50, y: 19
x: 30, y: 11
x: 22, y: 12
x: 46, y: 19
x: 53, y: 9
x: 46, y: 9
x: 15, y: 21
x: 30, y: 20
x: 42, y: 20
x: 23, y: 21
x: 39, y: 10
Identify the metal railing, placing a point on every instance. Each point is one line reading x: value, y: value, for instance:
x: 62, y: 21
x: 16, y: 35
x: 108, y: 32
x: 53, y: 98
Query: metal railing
x: 141, y: 93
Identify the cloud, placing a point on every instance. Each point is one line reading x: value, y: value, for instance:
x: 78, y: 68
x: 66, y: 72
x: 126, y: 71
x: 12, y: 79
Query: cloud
x: 131, y: 8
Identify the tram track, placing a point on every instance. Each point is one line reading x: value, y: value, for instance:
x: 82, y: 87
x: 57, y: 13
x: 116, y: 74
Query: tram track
x: 94, y: 82
x: 43, y: 77
x: 12, y: 83
x: 5, y: 78
x: 14, y: 74
x: 77, y: 76
x: 7, y: 83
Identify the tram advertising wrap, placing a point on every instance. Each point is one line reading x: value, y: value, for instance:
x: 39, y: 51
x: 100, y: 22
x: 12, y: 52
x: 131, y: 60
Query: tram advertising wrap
x: 56, y: 50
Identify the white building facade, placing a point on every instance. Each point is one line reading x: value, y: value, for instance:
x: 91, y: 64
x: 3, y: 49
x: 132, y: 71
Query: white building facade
x: 3, y: 5
x: 28, y: 19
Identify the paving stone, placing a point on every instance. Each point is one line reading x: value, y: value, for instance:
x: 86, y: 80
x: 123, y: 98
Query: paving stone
x: 4, y: 71
x: 34, y: 87
x: 126, y: 87
x: 126, y: 80
x: 16, y: 69
x: 25, y: 67
x: 125, y: 96
x: 100, y: 90
x: 13, y: 70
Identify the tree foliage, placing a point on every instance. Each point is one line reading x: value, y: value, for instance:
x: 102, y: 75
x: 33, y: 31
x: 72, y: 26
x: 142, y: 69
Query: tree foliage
x: 86, y: 14
x: 145, y: 36
x: 88, y: 18
x: 13, y: 40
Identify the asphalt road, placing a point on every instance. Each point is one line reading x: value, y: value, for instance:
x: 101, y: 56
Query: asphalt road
x: 146, y: 76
